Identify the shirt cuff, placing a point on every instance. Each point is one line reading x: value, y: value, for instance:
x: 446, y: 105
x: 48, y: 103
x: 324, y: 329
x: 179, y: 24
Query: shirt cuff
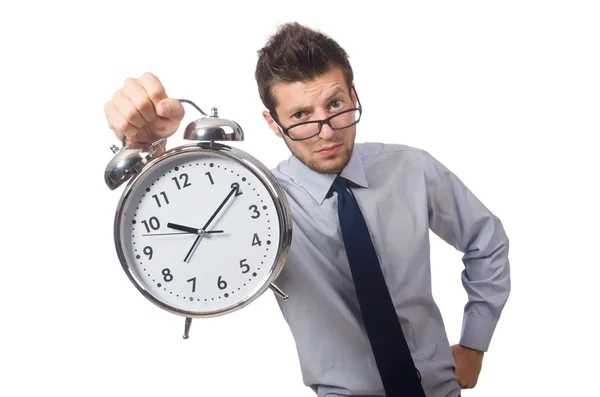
x: 477, y: 332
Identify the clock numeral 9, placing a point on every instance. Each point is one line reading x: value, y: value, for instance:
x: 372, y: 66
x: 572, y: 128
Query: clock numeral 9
x: 167, y: 276
x: 256, y: 240
x: 152, y: 223
x: 158, y: 199
x: 245, y: 268
x: 184, y: 178
x: 148, y: 251
x: 222, y: 284
x: 255, y: 209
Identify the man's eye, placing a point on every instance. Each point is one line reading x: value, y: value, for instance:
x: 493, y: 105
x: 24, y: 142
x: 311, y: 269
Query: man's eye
x: 336, y: 104
x: 297, y: 115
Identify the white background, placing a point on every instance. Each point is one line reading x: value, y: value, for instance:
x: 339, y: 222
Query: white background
x: 506, y: 94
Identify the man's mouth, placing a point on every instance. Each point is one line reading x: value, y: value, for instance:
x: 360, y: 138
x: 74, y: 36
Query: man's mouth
x: 329, y: 149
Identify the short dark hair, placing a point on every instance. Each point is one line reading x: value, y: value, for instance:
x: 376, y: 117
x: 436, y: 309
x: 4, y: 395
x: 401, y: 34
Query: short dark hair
x: 297, y: 53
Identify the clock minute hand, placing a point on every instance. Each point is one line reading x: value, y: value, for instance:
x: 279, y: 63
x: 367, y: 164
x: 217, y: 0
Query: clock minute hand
x: 200, y: 235
x: 233, y: 190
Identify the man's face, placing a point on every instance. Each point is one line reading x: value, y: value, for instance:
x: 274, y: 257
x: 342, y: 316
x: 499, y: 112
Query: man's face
x: 317, y: 99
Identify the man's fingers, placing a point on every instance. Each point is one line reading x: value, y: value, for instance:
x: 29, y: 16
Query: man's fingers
x: 153, y: 87
x: 128, y: 110
x: 171, y: 109
x: 140, y: 99
x: 117, y: 122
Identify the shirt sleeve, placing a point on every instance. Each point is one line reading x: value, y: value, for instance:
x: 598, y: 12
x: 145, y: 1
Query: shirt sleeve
x: 458, y: 217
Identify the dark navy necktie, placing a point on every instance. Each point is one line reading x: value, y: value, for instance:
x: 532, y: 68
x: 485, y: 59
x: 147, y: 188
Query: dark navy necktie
x: 395, y: 364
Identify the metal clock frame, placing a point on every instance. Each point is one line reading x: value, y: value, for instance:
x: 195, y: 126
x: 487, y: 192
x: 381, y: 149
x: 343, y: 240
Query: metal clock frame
x: 276, y: 193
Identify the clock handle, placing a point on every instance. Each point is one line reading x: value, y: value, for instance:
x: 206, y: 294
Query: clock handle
x: 279, y: 292
x: 188, y: 324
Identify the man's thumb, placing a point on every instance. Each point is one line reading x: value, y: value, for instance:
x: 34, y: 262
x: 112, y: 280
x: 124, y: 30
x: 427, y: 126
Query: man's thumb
x: 170, y: 108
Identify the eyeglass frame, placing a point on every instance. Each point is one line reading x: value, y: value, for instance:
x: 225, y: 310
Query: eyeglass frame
x: 321, y: 122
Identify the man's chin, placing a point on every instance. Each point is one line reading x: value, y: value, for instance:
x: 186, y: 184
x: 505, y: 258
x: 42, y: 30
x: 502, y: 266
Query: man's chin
x: 329, y: 165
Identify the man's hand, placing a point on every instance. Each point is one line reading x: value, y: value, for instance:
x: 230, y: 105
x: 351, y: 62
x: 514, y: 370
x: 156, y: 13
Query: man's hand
x: 142, y: 112
x: 468, y: 365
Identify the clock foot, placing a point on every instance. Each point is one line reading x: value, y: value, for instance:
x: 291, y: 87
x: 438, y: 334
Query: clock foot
x: 279, y: 292
x: 188, y: 324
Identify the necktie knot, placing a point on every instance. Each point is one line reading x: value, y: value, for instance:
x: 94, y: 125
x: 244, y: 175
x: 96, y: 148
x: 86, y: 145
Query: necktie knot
x: 340, y: 185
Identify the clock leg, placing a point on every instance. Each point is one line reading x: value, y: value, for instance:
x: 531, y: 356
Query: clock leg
x: 279, y: 292
x: 188, y: 324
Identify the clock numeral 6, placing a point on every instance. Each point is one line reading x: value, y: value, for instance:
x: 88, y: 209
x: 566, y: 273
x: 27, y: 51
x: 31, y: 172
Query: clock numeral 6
x: 167, y: 276
x: 256, y: 213
x: 245, y: 268
x: 222, y: 284
x: 152, y: 223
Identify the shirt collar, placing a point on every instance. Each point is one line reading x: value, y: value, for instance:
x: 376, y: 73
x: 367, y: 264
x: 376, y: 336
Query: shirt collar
x: 317, y: 184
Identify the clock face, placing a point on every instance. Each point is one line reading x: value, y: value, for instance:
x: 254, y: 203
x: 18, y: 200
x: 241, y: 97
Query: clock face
x: 199, y: 232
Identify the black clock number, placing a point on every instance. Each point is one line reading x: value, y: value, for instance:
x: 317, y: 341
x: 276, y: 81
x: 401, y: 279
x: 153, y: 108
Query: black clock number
x: 210, y: 177
x: 184, y: 178
x: 148, y: 251
x: 256, y: 213
x: 245, y: 268
x: 256, y: 240
x: 167, y: 276
x: 236, y: 186
x: 152, y: 223
x: 158, y: 199
x: 222, y: 284
x: 193, y: 281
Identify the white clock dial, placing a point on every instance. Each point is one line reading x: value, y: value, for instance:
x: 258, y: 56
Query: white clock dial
x: 200, y: 232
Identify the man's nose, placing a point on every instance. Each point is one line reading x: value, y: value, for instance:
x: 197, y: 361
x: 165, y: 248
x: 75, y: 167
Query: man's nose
x: 326, y: 131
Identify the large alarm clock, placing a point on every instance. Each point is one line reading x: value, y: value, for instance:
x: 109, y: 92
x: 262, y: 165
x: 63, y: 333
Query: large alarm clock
x: 202, y: 229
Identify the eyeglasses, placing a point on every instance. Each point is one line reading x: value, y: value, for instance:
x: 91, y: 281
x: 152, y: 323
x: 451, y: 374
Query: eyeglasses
x: 308, y: 129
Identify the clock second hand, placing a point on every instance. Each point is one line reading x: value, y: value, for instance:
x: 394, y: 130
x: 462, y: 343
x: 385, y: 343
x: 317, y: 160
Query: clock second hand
x: 201, y: 231
x: 170, y: 234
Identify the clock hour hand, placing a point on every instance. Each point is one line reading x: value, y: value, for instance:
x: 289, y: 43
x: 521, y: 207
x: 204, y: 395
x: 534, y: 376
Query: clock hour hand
x: 213, y: 216
x: 188, y: 229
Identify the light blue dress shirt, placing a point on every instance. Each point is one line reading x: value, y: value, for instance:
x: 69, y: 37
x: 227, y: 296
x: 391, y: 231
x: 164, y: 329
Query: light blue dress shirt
x: 403, y: 192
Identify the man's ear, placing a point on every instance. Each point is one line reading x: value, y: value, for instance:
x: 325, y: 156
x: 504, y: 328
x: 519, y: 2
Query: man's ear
x: 272, y: 124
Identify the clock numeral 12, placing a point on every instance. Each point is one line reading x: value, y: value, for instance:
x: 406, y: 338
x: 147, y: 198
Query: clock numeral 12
x: 183, y: 177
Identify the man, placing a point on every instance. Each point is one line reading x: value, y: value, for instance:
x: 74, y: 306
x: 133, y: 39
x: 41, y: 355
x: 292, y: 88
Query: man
x: 392, y: 194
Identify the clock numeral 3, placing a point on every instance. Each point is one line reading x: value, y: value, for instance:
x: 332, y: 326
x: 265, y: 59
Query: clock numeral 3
x: 256, y: 240
x: 256, y: 213
x: 245, y: 268
x: 158, y: 199
x: 167, y: 276
x: 222, y: 284
x: 152, y: 223
x: 184, y: 178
